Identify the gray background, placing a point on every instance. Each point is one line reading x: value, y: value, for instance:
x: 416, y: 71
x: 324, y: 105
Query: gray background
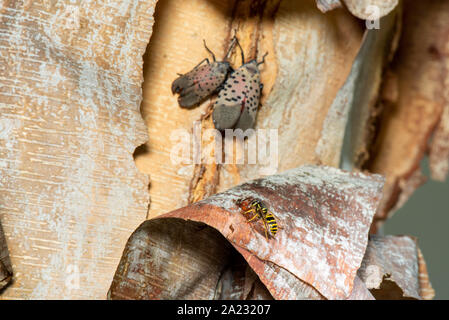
x: 426, y: 216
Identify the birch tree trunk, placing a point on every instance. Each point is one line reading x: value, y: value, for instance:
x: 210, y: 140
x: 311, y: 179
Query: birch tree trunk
x: 88, y: 127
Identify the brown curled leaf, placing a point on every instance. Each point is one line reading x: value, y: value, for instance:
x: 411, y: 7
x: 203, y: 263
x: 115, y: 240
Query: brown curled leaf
x: 390, y: 268
x: 323, y: 214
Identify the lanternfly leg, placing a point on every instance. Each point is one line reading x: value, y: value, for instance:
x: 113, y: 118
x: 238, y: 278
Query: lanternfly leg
x: 263, y: 59
x: 205, y: 59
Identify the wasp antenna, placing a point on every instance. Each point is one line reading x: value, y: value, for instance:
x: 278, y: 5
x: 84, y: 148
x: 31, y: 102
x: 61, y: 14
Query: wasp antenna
x: 263, y: 59
x: 266, y: 229
x: 210, y: 51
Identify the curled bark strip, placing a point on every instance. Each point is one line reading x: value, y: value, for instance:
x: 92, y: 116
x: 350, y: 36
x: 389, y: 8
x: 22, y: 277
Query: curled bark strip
x: 180, y: 261
x: 390, y: 268
x: 360, y: 291
x: 407, y: 187
x: 426, y: 291
x: 348, y: 128
x: 414, y: 97
x: 239, y: 281
x: 439, y: 148
x: 323, y: 215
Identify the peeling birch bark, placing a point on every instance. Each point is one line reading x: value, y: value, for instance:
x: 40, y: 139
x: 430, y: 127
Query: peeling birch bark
x: 167, y: 123
x: 70, y: 92
x: 414, y: 98
x: 347, y: 130
x: 390, y: 268
x: 439, y: 147
x: 70, y: 121
x: 323, y: 213
x: 360, y: 291
x: 309, y: 54
x: 425, y: 287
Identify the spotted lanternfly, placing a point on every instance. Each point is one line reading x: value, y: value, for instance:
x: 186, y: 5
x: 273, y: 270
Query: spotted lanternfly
x: 238, y: 101
x: 203, y: 80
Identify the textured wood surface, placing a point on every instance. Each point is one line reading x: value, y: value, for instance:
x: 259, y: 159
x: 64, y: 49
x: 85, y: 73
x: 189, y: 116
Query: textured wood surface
x: 71, y: 86
x: 415, y: 102
x: 176, y: 47
x: 356, y: 105
x: 323, y: 214
x: 426, y: 290
x: 69, y: 102
x: 309, y: 54
x: 391, y: 267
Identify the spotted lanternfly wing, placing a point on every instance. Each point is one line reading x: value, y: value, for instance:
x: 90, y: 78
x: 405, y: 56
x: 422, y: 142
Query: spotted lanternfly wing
x: 238, y: 101
x: 198, y: 84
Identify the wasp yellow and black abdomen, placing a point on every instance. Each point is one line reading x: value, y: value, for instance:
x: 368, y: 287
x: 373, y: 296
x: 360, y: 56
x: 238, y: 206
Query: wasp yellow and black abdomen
x: 272, y: 223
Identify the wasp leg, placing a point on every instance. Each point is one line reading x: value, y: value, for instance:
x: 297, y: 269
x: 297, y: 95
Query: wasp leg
x: 249, y: 211
x: 265, y: 227
x: 256, y: 215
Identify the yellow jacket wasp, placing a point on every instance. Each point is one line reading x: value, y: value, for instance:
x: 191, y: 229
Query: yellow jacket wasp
x: 258, y: 210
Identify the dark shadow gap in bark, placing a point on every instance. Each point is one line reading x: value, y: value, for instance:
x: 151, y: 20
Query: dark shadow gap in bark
x: 170, y: 258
